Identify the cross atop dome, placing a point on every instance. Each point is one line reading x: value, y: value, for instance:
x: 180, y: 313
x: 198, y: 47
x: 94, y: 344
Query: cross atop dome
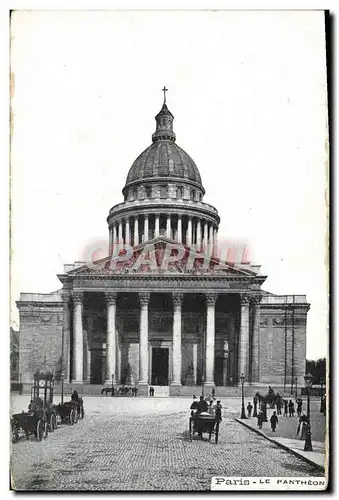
x: 164, y: 91
x: 164, y: 119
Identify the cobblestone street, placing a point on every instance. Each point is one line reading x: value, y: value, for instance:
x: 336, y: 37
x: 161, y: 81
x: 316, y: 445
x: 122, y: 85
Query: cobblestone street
x: 143, y: 444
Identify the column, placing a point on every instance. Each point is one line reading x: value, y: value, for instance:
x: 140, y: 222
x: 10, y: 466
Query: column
x: 143, y: 344
x: 210, y: 240
x: 215, y: 241
x: 111, y: 300
x: 210, y: 339
x: 244, y: 338
x: 66, y: 337
x: 136, y: 230
x: 176, y: 359
x: 168, y: 226
x: 198, y: 235
x: 179, y: 233
x: 78, y: 344
x: 157, y: 226
x: 88, y: 361
x: 205, y: 244
x: 146, y: 230
x: 256, y: 339
x: 110, y: 242
x: 195, y: 363
x: 189, y: 232
x: 127, y: 232
x: 120, y: 241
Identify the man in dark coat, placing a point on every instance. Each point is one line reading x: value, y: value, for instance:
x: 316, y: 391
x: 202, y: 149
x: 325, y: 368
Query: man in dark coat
x: 299, y: 402
x: 285, y: 408
x: 249, y: 409
x: 202, y: 405
x: 274, y: 421
x: 291, y: 408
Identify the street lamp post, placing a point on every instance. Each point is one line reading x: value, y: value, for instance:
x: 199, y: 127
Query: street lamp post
x: 308, y: 441
x: 112, y: 385
x: 242, y: 380
x: 62, y: 388
x: 296, y: 387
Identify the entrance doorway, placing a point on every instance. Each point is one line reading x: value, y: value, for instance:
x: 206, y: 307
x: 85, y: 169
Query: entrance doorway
x: 97, y: 366
x: 160, y: 366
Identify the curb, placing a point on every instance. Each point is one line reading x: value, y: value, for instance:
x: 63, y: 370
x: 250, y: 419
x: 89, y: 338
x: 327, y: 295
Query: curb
x: 277, y: 443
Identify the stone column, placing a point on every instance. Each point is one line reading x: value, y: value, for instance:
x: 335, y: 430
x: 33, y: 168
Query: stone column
x: 110, y: 241
x: 127, y: 232
x: 225, y: 363
x: 146, y: 231
x: 136, y: 230
x: 88, y: 361
x: 120, y: 240
x: 215, y: 241
x: 179, y: 233
x: 143, y: 344
x: 168, y: 226
x: 66, y: 337
x: 256, y: 338
x: 244, y: 343
x: 210, y: 240
x: 111, y: 300
x: 157, y: 226
x: 198, y: 235
x: 205, y: 245
x: 195, y: 363
x: 189, y: 232
x: 176, y: 359
x: 210, y: 340
x: 78, y: 343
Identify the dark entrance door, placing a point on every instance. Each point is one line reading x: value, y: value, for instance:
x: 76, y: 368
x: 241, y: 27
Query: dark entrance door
x: 218, y: 371
x: 160, y: 366
x: 97, y: 366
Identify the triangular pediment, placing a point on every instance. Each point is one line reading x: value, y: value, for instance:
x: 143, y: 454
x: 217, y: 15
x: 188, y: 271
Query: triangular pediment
x: 164, y: 256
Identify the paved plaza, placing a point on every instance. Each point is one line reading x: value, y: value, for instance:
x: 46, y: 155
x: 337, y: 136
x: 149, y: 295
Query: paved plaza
x: 143, y: 444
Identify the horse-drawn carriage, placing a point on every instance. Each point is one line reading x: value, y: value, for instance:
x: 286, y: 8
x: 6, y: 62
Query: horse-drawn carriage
x: 41, y: 415
x: 200, y: 423
x: 271, y: 399
x: 70, y: 412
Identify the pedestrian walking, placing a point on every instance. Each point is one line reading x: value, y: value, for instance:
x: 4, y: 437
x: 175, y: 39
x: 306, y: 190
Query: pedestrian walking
x: 302, y: 426
x: 260, y: 418
x: 299, y: 402
x: 279, y: 407
x: 274, y: 421
x: 249, y: 409
x: 151, y: 391
x: 285, y: 408
x: 291, y: 408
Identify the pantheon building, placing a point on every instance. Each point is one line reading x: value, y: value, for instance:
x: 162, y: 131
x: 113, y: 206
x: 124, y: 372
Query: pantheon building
x: 163, y: 308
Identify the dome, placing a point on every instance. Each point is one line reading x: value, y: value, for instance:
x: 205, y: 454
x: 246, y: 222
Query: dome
x: 164, y: 158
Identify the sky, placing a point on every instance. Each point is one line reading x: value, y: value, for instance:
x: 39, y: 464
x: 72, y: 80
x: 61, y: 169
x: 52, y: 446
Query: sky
x: 248, y: 93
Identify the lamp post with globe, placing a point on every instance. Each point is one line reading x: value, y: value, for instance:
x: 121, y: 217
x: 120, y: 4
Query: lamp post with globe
x: 242, y: 380
x: 308, y: 441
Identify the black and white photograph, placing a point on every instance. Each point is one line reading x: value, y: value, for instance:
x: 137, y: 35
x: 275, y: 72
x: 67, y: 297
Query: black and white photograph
x: 169, y: 325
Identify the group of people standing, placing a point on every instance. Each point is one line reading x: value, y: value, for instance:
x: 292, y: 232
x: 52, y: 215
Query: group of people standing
x: 289, y: 411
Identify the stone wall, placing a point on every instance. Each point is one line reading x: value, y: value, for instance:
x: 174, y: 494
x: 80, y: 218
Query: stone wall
x: 282, y: 351
x: 41, y: 321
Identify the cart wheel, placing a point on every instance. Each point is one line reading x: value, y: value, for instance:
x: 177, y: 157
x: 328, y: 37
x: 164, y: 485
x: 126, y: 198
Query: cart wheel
x: 209, y: 436
x: 51, y: 424
x: 82, y: 413
x: 216, y: 432
x: 76, y: 417
x: 190, y: 429
x: 71, y: 417
x: 55, y: 421
x: 39, y: 430
x: 45, y: 434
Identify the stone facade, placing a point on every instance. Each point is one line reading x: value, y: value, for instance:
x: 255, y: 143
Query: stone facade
x: 167, y: 310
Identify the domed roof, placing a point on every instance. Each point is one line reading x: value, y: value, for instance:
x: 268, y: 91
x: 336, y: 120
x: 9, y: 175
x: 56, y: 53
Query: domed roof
x: 163, y: 158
